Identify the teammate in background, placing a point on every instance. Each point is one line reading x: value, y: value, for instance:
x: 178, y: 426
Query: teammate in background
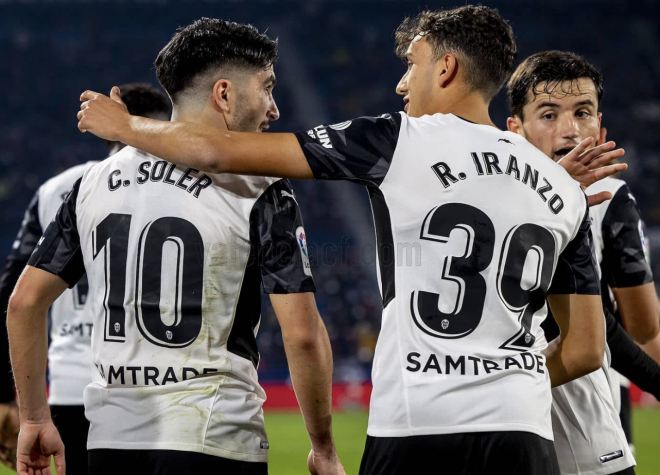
x: 175, y: 259
x: 461, y: 365
x: 69, y: 352
x: 555, y: 99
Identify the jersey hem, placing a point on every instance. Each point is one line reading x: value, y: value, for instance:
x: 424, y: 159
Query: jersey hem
x: 180, y: 446
x: 376, y: 432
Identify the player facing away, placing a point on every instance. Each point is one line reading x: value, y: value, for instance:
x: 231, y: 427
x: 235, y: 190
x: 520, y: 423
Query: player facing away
x: 462, y: 372
x: 555, y: 100
x: 69, y: 352
x: 175, y: 259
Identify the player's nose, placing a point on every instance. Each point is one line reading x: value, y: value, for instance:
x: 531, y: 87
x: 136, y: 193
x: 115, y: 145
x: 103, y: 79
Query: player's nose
x: 402, y: 87
x: 273, y: 112
x: 569, y: 128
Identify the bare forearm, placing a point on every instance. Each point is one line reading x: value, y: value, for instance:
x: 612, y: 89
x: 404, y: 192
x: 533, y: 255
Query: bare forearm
x: 652, y: 349
x: 567, y: 361
x: 183, y: 143
x: 28, y: 341
x: 216, y: 150
x: 310, y: 366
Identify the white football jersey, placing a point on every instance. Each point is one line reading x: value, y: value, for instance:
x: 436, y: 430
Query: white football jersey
x: 472, y: 223
x: 589, y: 438
x: 176, y: 260
x: 622, y: 251
x: 69, y: 351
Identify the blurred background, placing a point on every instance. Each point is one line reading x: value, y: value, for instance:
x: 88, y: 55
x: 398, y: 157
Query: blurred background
x: 337, y: 62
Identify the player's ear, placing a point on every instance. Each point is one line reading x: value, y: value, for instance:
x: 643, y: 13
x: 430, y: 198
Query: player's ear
x: 222, y: 90
x: 448, y: 70
x: 513, y: 125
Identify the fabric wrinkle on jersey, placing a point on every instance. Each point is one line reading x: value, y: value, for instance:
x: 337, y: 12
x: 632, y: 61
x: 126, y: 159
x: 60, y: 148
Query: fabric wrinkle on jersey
x: 449, y: 362
x: 176, y: 259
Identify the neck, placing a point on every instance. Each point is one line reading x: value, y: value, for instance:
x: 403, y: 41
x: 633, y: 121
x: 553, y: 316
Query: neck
x: 204, y: 115
x: 115, y: 147
x: 472, y: 107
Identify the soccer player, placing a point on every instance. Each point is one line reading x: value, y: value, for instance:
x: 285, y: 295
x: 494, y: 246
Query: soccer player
x: 461, y: 366
x: 69, y: 351
x: 175, y: 259
x: 555, y: 100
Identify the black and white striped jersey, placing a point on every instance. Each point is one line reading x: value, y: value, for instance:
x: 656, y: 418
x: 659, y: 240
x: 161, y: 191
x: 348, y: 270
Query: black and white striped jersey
x: 474, y: 228
x: 176, y: 260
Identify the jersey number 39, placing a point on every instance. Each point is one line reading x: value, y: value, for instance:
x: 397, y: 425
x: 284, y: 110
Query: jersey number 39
x: 523, y: 297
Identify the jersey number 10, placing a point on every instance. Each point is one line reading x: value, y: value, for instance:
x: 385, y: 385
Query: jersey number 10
x: 111, y: 235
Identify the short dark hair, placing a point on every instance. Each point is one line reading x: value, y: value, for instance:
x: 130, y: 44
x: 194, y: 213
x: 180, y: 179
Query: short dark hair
x: 210, y: 43
x: 477, y: 35
x: 145, y: 100
x: 549, y: 69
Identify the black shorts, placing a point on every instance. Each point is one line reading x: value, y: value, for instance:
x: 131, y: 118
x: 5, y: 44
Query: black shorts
x: 73, y: 428
x: 479, y: 453
x: 167, y: 462
x: 628, y: 471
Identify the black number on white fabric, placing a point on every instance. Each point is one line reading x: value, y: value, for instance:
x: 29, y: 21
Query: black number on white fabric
x: 463, y: 269
x: 175, y: 296
x: 522, y: 287
x: 112, y: 235
x: 80, y: 292
x: 184, y: 294
x: 524, y: 273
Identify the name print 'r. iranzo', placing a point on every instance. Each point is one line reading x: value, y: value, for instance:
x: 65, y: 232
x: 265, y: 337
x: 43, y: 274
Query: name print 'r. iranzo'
x: 488, y: 164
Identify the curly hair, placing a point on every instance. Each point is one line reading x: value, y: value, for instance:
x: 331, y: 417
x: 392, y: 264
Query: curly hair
x: 211, y: 43
x: 478, y: 36
x: 551, y: 69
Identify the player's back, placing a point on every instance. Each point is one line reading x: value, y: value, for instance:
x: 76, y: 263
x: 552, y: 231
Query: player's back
x: 69, y: 351
x: 166, y: 251
x: 476, y: 220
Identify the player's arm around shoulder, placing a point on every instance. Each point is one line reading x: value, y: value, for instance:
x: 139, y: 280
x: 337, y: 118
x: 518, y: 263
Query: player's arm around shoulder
x: 575, y: 301
x: 309, y: 355
x: 199, y: 146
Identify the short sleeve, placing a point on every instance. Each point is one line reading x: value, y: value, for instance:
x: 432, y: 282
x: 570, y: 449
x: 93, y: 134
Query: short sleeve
x: 576, y: 271
x: 58, y: 251
x: 359, y: 149
x: 625, y: 262
x: 278, y: 235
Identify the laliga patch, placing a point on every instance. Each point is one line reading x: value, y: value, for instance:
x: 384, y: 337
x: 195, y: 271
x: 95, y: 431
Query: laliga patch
x: 264, y: 444
x: 302, y: 243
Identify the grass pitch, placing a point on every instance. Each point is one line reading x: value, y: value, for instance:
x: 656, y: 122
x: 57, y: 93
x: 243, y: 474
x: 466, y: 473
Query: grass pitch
x: 289, y: 445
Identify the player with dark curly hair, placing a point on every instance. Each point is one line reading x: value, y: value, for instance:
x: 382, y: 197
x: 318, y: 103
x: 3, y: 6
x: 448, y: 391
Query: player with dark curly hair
x: 555, y: 99
x: 462, y: 371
